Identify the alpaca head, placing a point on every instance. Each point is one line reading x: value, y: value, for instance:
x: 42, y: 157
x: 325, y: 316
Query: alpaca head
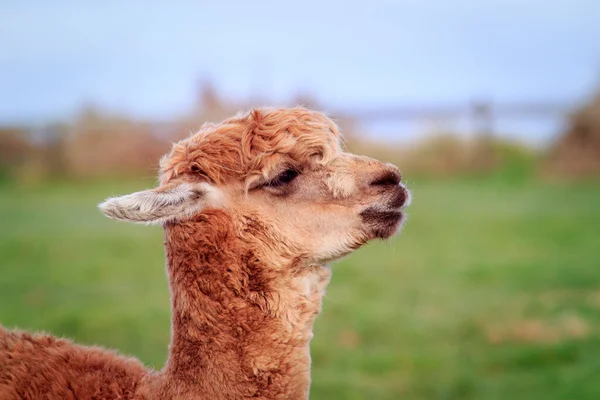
x: 284, y: 181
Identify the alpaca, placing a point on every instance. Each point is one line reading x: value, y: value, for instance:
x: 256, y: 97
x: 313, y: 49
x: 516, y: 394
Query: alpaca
x: 254, y: 209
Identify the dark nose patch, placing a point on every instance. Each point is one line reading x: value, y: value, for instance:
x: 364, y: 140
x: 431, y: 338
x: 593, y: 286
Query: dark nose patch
x: 388, y: 178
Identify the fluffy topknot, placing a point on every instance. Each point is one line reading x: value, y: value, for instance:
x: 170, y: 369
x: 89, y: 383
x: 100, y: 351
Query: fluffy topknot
x: 251, y: 144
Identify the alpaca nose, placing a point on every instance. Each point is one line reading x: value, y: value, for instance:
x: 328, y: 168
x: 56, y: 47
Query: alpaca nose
x: 391, y: 177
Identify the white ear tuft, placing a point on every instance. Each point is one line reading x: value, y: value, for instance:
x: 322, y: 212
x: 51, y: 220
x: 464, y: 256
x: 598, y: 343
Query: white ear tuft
x: 167, y: 203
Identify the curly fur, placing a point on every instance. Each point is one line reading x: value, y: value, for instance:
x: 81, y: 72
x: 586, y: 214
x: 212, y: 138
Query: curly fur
x: 251, y: 145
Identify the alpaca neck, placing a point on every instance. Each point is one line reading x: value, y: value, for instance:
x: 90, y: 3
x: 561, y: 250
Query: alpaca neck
x: 238, y: 330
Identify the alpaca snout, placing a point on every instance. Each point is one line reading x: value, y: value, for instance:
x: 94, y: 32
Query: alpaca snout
x: 391, y: 177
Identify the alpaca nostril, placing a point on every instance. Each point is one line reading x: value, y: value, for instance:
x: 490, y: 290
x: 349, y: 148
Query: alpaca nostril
x: 390, y: 178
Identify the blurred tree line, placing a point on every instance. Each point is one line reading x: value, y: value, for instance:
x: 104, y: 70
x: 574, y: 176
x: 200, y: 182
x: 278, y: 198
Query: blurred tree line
x: 98, y: 144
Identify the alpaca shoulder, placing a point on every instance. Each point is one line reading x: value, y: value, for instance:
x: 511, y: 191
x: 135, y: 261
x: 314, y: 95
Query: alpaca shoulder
x: 36, y: 366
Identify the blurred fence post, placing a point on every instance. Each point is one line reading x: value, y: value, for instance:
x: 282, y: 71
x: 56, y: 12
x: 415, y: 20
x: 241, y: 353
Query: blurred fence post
x: 482, y: 117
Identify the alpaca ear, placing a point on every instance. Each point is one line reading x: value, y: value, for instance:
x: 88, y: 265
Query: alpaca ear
x: 167, y: 203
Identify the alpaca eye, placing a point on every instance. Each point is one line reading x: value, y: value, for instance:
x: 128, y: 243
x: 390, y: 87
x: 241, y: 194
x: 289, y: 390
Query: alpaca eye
x: 283, y: 179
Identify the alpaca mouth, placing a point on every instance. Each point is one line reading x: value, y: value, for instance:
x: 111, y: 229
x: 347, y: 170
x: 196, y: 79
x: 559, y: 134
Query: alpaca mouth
x: 401, y: 198
x: 385, y: 219
x: 382, y: 224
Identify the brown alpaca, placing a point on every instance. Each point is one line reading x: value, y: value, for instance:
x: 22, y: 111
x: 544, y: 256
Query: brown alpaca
x: 253, y: 209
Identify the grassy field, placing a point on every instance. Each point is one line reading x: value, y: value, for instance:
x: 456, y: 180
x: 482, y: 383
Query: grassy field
x: 491, y: 292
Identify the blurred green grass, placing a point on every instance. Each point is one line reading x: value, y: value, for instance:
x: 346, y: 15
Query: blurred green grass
x: 492, y: 290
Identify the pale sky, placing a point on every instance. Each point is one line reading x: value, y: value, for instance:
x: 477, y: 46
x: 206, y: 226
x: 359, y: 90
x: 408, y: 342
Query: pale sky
x: 146, y: 57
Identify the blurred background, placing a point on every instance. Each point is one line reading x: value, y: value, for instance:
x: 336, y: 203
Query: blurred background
x: 491, y: 109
